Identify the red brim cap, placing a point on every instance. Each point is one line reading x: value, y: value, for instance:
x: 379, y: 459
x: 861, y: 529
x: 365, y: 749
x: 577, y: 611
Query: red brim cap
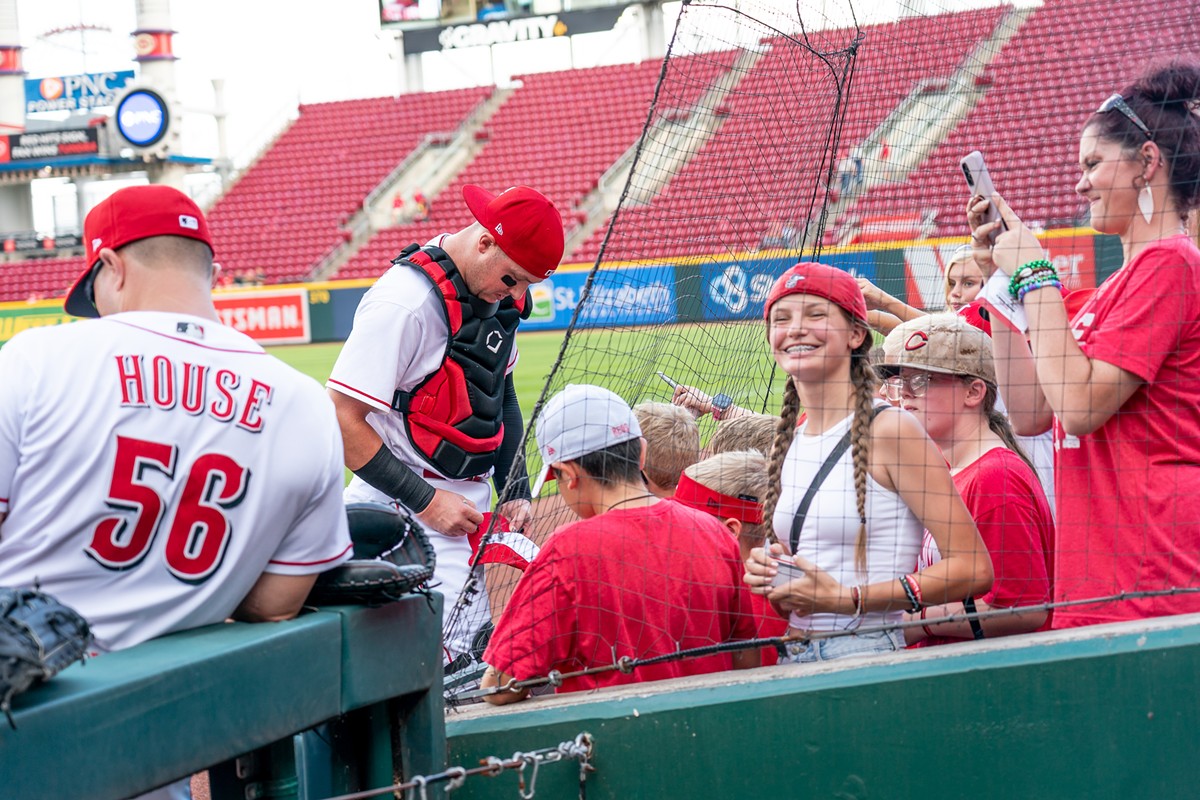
x: 835, y: 285
x: 524, y: 223
x: 126, y: 216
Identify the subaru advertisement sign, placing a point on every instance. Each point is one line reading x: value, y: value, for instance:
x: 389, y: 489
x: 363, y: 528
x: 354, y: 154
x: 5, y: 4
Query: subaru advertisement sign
x: 625, y: 296
x: 738, y: 289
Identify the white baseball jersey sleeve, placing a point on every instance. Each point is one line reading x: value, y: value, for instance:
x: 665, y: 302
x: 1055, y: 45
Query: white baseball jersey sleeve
x: 154, y: 465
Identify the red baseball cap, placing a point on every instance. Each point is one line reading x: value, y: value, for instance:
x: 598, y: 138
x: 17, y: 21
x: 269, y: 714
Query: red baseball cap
x: 126, y: 216
x: 835, y: 285
x: 526, y: 225
x: 973, y: 312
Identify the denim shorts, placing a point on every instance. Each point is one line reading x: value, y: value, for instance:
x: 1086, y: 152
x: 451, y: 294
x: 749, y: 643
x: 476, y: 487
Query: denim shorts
x: 844, y: 647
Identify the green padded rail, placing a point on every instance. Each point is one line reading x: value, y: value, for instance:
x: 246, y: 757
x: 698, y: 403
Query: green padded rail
x: 1109, y: 714
x: 125, y: 722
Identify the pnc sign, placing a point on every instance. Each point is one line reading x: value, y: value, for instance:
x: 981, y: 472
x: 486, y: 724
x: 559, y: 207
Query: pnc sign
x: 74, y: 92
x: 142, y: 117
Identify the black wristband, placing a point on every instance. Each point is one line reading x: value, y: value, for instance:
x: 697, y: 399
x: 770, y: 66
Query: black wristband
x: 386, y: 473
x: 969, y: 607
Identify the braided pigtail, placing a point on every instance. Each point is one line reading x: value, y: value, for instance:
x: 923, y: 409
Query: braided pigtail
x: 1002, y: 428
x: 865, y: 381
x: 785, y: 432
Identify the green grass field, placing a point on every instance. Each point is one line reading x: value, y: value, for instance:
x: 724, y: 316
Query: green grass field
x: 728, y: 357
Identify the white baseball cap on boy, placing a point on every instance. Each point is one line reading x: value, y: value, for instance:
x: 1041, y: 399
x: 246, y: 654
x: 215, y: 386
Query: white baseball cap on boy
x: 582, y: 419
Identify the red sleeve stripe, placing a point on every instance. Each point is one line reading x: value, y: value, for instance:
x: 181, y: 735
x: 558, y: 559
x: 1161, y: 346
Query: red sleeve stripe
x: 351, y: 390
x: 311, y: 563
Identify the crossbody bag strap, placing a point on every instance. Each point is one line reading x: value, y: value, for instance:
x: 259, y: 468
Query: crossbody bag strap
x: 835, y: 455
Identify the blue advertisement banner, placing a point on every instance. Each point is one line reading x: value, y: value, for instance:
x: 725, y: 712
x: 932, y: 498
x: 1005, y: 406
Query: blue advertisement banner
x: 74, y: 92
x: 620, y: 296
x: 738, y: 289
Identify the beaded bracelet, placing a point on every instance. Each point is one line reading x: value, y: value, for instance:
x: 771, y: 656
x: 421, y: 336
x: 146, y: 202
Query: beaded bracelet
x: 1038, y: 268
x: 912, y: 591
x: 1028, y: 286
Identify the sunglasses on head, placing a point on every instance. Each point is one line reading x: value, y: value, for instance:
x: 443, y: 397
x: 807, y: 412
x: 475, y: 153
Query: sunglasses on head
x: 1117, y: 103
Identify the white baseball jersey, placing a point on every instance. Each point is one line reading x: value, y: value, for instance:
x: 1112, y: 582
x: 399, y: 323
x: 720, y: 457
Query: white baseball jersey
x: 154, y: 465
x: 398, y: 339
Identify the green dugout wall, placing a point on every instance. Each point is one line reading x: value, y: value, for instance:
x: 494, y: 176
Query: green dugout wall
x: 1111, y: 711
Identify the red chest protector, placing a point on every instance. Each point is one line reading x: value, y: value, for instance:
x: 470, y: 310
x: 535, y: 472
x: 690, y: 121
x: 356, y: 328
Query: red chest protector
x: 454, y: 416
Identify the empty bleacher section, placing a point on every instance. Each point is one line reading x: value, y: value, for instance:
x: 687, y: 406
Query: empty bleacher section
x: 1028, y: 123
x: 751, y: 128
x: 759, y: 172
x: 38, y: 278
x: 286, y: 212
x: 558, y: 133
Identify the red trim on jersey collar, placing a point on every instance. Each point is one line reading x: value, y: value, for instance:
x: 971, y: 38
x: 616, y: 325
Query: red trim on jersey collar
x: 700, y: 497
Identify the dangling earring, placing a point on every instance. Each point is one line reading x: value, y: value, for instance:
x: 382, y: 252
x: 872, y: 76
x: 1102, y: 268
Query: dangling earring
x: 1146, y: 202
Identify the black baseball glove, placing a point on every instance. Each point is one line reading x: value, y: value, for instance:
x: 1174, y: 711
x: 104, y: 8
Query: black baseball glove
x: 39, y: 637
x: 392, y: 557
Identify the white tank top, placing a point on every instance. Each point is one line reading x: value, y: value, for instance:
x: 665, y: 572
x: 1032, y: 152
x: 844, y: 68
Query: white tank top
x: 831, y: 524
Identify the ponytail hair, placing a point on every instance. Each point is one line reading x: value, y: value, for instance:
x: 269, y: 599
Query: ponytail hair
x: 785, y: 432
x: 1165, y: 97
x: 1001, y: 426
x: 866, y: 383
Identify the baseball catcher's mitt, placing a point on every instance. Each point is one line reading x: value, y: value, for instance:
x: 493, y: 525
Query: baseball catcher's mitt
x: 39, y: 637
x: 392, y: 557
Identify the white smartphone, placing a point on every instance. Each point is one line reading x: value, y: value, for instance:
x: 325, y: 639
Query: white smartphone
x: 787, y: 571
x: 976, y: 172
x: 668, y: 381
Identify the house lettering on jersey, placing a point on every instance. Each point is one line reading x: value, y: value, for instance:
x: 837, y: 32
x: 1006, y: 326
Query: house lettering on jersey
x: 195, y: 389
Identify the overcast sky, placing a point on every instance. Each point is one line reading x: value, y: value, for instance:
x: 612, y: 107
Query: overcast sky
x: 273, y: 55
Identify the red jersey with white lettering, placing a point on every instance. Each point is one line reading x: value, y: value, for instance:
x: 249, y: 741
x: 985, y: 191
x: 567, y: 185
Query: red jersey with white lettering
x: 154, y: 465
x: 1129, y: 492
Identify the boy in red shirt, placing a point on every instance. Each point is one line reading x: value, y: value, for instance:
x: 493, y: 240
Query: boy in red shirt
x: 636, y: 577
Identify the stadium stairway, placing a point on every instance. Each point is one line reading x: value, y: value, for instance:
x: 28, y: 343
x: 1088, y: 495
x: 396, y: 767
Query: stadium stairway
x: 558, y: 132
x: 1027, y: 124
x: 766, y: 166
x: 932, y: 109
x: 427, y: 169
x: 286, y: 213
x: 668, y: 142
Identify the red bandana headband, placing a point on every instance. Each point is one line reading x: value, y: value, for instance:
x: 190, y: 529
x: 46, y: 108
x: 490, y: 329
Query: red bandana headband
x: 700, y: 497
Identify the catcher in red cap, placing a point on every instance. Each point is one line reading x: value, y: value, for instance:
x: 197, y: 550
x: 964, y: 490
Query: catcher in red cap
x: 423, y: 387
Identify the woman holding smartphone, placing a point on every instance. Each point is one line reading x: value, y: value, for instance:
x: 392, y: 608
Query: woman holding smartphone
x: 858, y: 537
x: 1119, y: 380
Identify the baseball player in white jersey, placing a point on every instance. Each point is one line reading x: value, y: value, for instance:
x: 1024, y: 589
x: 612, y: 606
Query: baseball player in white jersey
x: 423, y: 387
x: 158, y: 470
